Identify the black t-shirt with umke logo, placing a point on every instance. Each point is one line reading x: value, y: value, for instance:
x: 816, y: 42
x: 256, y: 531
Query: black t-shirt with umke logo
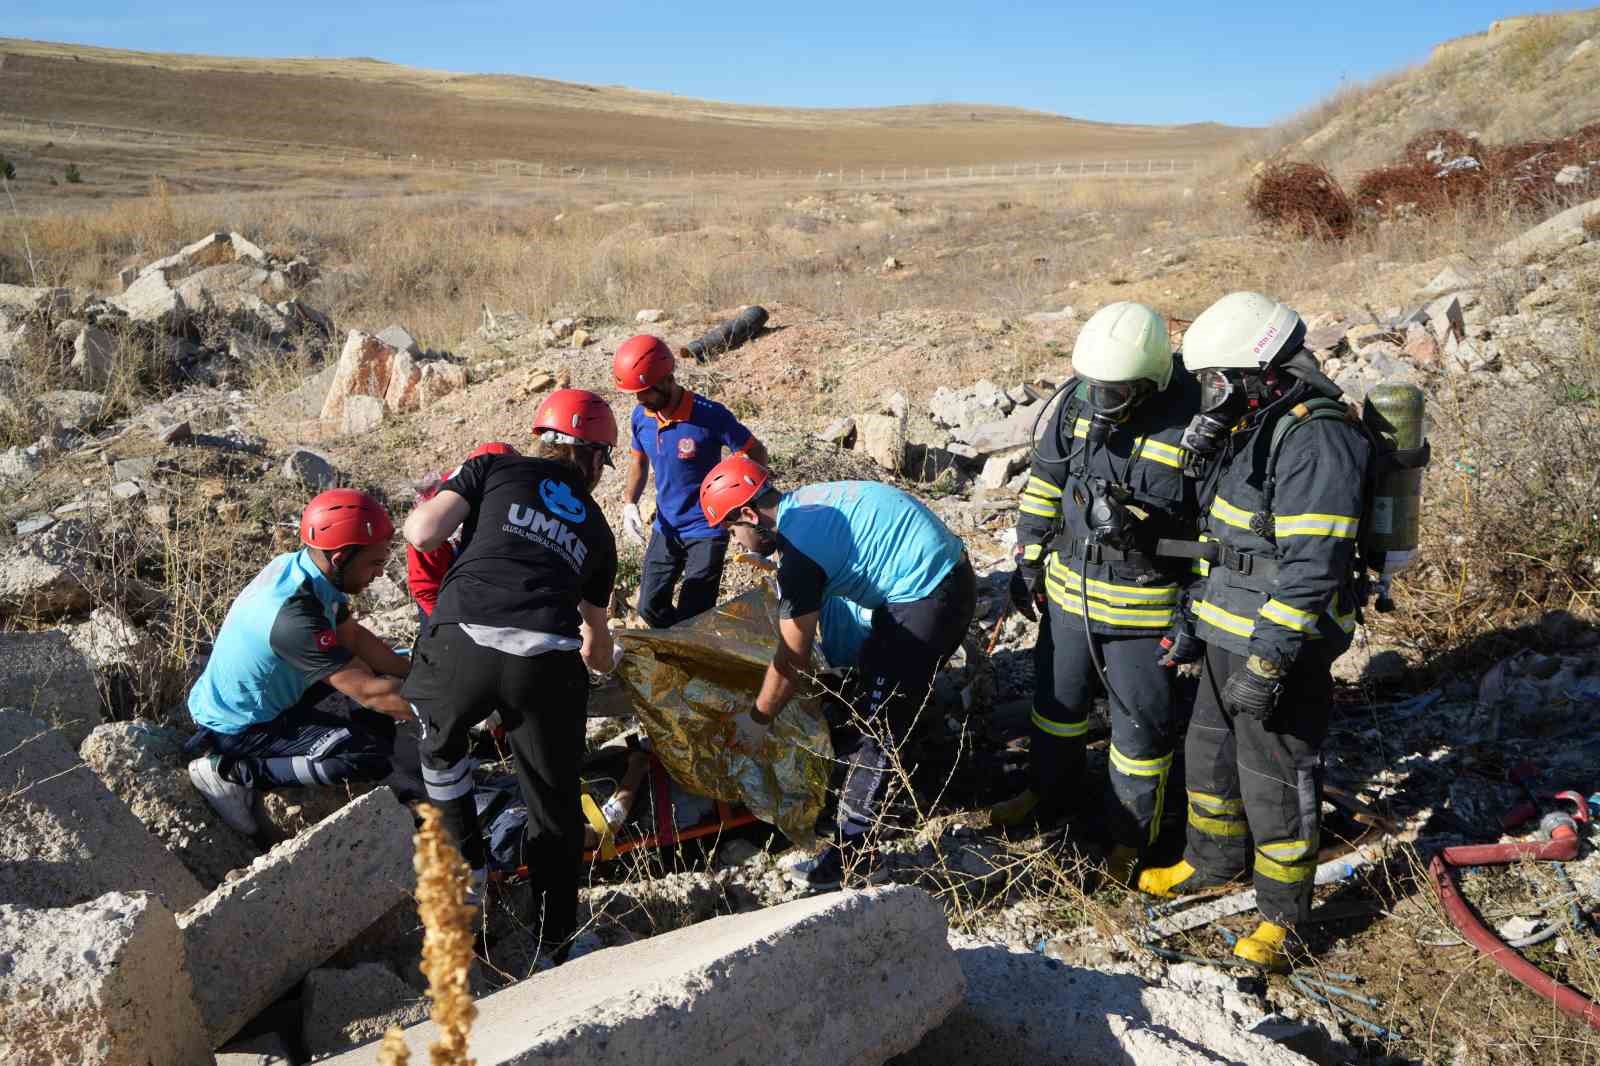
x: 533, y: 544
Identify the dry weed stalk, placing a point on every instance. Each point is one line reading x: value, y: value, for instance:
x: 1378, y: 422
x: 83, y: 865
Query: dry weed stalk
x: 447, y: 938
x: 393, y: 1050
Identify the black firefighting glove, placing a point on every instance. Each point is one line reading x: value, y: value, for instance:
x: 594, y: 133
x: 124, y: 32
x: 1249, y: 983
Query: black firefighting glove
x: 1027, y: 591
x: 1253, y: 689
x: 1180, y: 646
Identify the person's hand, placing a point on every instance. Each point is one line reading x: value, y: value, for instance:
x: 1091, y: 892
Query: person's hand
x: 1027, y: 598
x: 1180, y: 646
x: 749, y: 732
x: 1250, y: 691
x: 633, y: 523
x: 616, y: 654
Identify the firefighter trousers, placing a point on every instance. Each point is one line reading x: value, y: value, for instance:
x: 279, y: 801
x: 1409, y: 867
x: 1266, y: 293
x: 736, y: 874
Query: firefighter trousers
x: 1255, y: 787
x: 1142, y: 727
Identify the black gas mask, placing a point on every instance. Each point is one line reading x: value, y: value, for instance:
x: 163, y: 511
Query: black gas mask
x: 1226, y: 396
x: 1111, y: 403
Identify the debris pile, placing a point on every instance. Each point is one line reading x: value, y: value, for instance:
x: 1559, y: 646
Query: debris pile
x: 1303, y: 197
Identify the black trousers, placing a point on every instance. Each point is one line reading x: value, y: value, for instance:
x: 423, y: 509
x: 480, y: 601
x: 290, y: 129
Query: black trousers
x: 309, y: 747
x: 904, y: 649
x: 1260, y: 782
x: 698, y: 562
x: 455, y: 684
x: 1143, y: 730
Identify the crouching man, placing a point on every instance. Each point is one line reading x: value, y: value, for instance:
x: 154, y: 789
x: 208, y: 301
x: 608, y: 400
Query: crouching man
x: 287, y: 643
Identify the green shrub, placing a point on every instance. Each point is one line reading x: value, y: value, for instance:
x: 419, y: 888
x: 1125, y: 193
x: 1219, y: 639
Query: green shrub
x: 7, y: 170
x: 71, y: 175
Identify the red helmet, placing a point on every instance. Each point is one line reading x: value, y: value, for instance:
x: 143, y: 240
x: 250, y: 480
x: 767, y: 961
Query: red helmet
x: 579, y: 415
x: 731, y: 484
x: 494, y: 447
x: 344, y: 518
x: 641, y: 362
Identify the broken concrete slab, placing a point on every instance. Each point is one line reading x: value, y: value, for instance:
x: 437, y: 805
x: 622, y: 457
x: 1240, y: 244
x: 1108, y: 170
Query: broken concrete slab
x: 343, y: 1009
x: 1022, y: 1008
x: 142, y: 764
x: 883, y: 439
x: 255, y: 937
x: 48, y: 678
x: 150, y: 301
x: 364, y: 369
x: 42, y: 588
x: 73, y: 408
x: 102, y: 983
x: 243, y: 248
x: 400, y: 339
x: 1554, y: 235
x: 67, y: 838
x: 94, y: 356
x: 851, y: 977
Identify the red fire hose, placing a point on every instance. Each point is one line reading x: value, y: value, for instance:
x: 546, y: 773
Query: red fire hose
x: 1562, y: 846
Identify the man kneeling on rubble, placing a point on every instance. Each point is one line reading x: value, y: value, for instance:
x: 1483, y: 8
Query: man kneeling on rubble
x: 288, y: 641
x: 874, y: 546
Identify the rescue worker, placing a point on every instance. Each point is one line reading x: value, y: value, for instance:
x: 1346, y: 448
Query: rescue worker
x: 884, y: 552
x: 1107, y: 483
x: 680, y: 436
x: 425, y: 570
x: 521, y: 612
x: 1283, y: 506
x: 287, y: 643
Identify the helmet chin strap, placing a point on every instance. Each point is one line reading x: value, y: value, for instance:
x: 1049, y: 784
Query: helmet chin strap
x: 336, y: 568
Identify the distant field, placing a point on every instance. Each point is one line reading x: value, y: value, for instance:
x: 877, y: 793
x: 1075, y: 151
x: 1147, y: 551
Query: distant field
x: 369, y: 106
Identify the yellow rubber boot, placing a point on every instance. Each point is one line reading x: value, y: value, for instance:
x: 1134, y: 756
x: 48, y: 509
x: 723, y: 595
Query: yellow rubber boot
x: 1163, y: 881
x: 1014, y: 811
x: 1265, y: 947
x: 1120, y: 863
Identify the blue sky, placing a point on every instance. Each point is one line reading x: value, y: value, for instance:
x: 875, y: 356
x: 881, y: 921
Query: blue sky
x: 1246, y: 63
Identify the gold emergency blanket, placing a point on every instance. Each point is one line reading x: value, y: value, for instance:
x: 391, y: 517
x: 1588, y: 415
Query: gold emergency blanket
x: 687, y: 683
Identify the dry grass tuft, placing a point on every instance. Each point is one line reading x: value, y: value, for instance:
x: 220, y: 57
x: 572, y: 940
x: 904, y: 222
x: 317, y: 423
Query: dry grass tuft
x: 447, y: 938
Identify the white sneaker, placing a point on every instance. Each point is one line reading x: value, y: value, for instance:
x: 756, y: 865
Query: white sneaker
x: 235, y: 803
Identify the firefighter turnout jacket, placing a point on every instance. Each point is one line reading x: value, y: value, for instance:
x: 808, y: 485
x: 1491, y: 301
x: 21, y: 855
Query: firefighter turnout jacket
x: 1286, y: 519
x: 1130, y: 592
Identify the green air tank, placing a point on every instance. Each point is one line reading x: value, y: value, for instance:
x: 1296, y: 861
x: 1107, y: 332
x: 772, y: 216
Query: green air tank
x: 1395, y: 414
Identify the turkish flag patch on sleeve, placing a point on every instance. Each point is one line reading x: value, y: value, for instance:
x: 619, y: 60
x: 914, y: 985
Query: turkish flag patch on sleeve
x: 327, y: 639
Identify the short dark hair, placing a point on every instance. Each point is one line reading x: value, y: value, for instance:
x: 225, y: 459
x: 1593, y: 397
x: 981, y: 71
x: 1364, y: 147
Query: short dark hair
x: 767, y: 497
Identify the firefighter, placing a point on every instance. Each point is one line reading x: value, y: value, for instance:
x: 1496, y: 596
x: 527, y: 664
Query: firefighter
x: 681, y: 436
x: 1283, y: 499
x: 1107, y: 483
x: 886, y: 554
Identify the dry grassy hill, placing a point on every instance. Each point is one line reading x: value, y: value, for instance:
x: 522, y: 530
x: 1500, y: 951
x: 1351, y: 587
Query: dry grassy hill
x: 381, y: 107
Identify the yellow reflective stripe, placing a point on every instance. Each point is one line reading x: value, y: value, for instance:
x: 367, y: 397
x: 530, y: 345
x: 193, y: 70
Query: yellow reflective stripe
x: 1288, y: 873
x: 1316, y: 525
x: 1223, y: 620
x: 1140, y: 767
x: 1029, y: 505
x: 1143, y: 617
x: 1287, y: 850
x: 1218, y: 827
x: 1275, y: 610
x: 1230, y: 514
x: 1346, y: 622
x: 1032, y: 552
x: 1200, y: 566
x: 1160, y: 452
x: 1040, y: 487
x: 1061, y: 729
x: 1071, y: 579
x: 1216, y: 804
x: 1080, y: 428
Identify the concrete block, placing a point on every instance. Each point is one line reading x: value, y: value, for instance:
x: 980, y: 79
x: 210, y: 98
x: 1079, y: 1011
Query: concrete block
x: 94, y: 356
x: 401, y: 340
x: 67, y: 839
x: 48, y: 678
x: 31, y: 584
x: 342, y: 1009
x: 151, y: 301
x: 883, y: 439
x: 99, y: 984
x: 1552, y: 236
x: 1022, y: 1009
x: 846, y: 978
x: 252, y: 939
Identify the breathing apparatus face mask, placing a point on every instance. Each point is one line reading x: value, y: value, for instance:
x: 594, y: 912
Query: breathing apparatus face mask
x: 1111, y: 404
x: 1225, y: 397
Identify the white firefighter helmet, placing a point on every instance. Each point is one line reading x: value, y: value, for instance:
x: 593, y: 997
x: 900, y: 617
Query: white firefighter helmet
x: 1241, y: 331
x: 1124, y: 342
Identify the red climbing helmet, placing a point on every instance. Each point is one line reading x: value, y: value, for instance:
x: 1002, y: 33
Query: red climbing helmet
x: 641, y: 362
x: 344, y: 518
x: 578, y: 415
x: 730, y: 485
x: 494, y: 447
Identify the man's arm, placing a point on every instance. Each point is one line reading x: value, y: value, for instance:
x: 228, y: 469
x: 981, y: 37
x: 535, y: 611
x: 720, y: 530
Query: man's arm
x: 372, y: 649
x: 789, y: 663
x: 638, y: 473
x: 758, y: 452
x: 366, y: 688
x: 434, y: 520
x: 598, y: 647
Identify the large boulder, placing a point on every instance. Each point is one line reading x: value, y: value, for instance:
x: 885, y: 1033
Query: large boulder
x: 982, y: 402
x: 150, y: 301
x: 102, y: 983
x: 1554, y: 235
x: 67, y: 839
x: 47, y: 676
x: 846, y: 978
x: 883, y: 438
x: 33, y: 585
x: 403, y: 381
x: 142, y: 764
x: 255, y: 937
x: 1022, y: 1008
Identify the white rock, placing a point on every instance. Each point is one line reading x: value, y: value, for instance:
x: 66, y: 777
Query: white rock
x: 361, y: 413
x: 649, y: 315
x: 94, y: 357
x: 1552, y: 236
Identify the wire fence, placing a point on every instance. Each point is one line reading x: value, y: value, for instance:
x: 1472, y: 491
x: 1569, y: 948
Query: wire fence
x: 839, y: 173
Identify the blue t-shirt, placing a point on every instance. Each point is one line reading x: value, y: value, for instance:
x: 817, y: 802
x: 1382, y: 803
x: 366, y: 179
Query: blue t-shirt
x: 682, y: 453
x: 278, y: 640
x: 863, y: 541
